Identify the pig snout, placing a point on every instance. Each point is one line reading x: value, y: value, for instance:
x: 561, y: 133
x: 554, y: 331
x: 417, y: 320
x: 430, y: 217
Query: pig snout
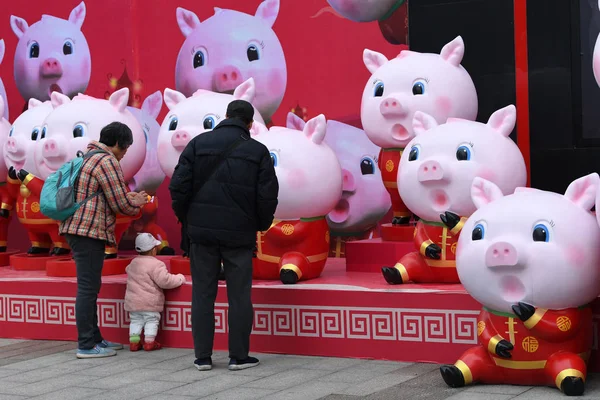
x: 180, y: 139
x: 50, y: 149
x: 391, y: 107
x: 228, y: 78
x: 348, y: 183
x: 51, y: 68
x: 430, y: 171
x: 501, y: 254
x: 12, y: 145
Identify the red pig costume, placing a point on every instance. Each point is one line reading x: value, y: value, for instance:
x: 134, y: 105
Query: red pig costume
x: 121, y: 225
x: 42, y: 231
x: 549, y: 347
x: 418, y: 267
x: 301, y: 246
x: 389, y: 162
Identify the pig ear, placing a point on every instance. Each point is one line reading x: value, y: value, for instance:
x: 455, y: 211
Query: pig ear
x: 153, y: 104
x: 18, y: 25
x: 504, y: 120
x: 33, y: 103
x: 295, y: 122
x: 454, y: 51
x: 583, y: 191
x: 187, y: 21
x: 373, y: 60
x: 316, y: 128
x: 218, y: 10
x: 258, y: 128
x: 77, y: 16
x: 2, y: 49
x: 173, y: 97
x: 267, y: 11
x: 245, y: 91
x: 484, y: 192
x: 119, y: 99
x: 423, y: 122
x: 58, y: 99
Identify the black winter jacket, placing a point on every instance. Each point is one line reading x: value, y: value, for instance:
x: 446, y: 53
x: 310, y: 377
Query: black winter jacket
x: 239, y: 198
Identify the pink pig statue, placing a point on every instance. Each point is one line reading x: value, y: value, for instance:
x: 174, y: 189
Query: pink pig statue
x: 364, y: 10
x: 364, y: 199
x: 435, y: 180
x: 296, y: 246
x: 25, y: 132
x: 432, y: 83
x: 2, y: 89
x: 151, y: 175
x: 596, y: 57
x: 52, y: 56
x: 6, y: 200
x: 64, y: 134
x: 218, y: 58
x: 531, y: 259
x: 191, y: 116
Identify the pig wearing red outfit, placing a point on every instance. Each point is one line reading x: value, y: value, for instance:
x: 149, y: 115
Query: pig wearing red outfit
x: 434, y: 182
x: 296, y: 245
x: 5, y: 198
x: 531, y: 260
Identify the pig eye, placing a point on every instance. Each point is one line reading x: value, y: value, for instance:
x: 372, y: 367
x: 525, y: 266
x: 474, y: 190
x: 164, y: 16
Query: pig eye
x: 541, y: 233
x: 367, y: 166
x: 12, y: 130
x: 43, y: 133
x: 418, y: 88
x: 78, y: 130
x: 379, y: 89
x: 414, y: 153
x: 463, y: 153
x: 34, y: 50
x: 68, y: 48
x: 274, y: 158
x: 209, y: 123
x: 34, y: 134
x: 478, y: 232
x: 199, y: 59
x: 173, y: 124
x: 252, y: 53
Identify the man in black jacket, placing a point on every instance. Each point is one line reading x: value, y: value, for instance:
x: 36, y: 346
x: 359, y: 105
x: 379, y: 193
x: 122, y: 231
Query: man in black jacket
x: 225, y: 189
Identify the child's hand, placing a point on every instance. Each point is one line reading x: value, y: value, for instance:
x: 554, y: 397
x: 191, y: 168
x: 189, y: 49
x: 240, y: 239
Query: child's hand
x: 181, y: 278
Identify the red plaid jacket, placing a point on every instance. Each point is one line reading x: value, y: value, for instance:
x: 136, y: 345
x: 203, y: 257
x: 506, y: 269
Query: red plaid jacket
x: 96, y: 218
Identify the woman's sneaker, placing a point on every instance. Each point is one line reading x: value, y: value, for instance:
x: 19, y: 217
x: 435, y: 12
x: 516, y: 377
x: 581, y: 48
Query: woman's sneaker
x: 96, y: 352
x: 203, y: 364
x: 237, y: 365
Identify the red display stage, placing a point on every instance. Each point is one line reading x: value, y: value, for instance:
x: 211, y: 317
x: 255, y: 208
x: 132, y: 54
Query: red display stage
x: 341, y: 314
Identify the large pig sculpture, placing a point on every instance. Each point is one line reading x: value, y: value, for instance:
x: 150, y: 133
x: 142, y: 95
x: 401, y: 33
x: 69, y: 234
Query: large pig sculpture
x: 64, y: 134
x: 596, y: 57
x: 218, y: 58
x: 2, y: 89
x: 296, y: 246
x: 364, y: 198
x: 52, y: 56
x: 151, y: 175
x: 432, y: 83
x: 6, y: 200
x: 435, y: 180
x: 531, y: 259
x: 191, y: 116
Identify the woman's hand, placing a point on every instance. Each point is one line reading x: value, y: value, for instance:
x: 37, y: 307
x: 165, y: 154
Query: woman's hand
x: 138, y: 199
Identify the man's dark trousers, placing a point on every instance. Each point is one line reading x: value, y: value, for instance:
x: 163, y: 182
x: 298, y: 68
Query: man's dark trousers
x: 205, y: 264
x: 89, y: 259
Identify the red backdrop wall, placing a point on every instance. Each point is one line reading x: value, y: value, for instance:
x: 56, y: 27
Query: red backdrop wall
x: 323, y: 53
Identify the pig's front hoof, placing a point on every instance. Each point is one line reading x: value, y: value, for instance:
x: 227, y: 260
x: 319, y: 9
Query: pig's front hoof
x: 572, y: 386
x: 391, y: 275
x: 452, y: 376
x: 400, y: 220
x: 109, y: 256
x: 288, y: 277
x: 38, y: 250
x: 57, y: 251
x: 167, y: 251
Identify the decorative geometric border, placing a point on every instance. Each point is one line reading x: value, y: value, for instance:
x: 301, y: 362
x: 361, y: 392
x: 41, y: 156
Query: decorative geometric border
x: 367, y: 323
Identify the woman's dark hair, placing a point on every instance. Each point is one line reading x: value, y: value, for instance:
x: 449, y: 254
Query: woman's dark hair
x: 116, y: 133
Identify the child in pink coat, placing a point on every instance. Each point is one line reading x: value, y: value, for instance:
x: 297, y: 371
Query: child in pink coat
x: 144, y: 299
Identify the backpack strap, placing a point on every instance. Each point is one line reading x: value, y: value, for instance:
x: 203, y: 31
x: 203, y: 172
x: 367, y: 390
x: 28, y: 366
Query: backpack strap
x: 86, y: 156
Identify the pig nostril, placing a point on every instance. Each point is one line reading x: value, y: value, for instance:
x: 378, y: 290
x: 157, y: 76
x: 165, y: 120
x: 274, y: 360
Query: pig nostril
x: 233, y: 76
x: 224, y: 77
x: 506, y: 251
x: 425, y: 169
x: 434, y: 168
x: 394, y: 104
x: 495, y: 253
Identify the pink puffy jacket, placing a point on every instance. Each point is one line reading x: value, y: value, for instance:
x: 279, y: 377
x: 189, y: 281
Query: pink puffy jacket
x: 147, y: 276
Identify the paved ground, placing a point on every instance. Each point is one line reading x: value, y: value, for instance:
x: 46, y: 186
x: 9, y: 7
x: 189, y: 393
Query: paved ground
x: 49, y: 370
